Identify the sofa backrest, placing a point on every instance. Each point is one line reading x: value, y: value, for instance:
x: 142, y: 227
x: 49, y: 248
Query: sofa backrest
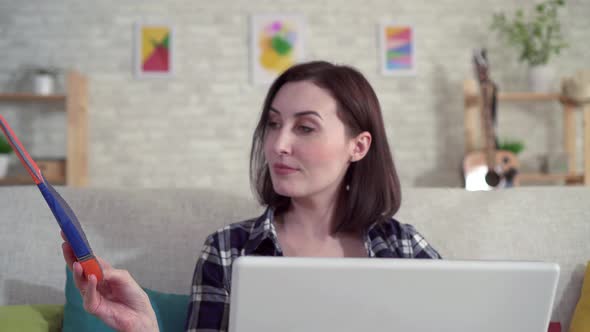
x: 528, y: 223
x: 157, y: 234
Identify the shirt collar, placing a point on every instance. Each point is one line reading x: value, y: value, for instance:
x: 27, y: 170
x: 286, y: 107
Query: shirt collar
x: 262, y: 231
x: 262, y: 239
x: 376, y: 245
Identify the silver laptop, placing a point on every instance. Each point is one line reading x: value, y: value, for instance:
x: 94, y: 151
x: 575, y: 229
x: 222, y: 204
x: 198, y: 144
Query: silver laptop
x: 272, y: 294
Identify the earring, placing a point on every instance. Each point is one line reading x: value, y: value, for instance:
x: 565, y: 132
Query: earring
x: 347, y: 187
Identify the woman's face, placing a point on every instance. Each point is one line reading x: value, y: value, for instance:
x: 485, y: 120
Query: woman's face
x: 306, y: 145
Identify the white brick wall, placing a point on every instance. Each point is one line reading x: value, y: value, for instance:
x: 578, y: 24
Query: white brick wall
x: 195, y: 129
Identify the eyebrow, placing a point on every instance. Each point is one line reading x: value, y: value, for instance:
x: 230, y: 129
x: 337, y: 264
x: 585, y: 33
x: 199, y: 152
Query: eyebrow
x: 301, y: 113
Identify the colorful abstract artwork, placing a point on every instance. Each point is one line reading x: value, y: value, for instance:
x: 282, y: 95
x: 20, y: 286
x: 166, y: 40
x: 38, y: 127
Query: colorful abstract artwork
x: 153, y: 50
x: 397, y: 49
x: 276, y: 44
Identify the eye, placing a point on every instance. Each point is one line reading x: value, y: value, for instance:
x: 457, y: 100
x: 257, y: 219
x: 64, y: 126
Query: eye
x: 273, y: 124
x: 305, y: 129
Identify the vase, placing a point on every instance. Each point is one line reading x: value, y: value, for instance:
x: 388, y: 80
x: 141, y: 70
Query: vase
x: 541, y: 79
x: 44, y: 84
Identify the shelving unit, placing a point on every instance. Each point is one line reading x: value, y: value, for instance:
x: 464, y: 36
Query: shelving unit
x: 569, y: 107
x: 73, y: 171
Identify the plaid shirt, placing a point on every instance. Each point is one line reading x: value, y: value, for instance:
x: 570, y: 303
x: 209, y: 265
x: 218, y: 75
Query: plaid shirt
x: 208, y: 310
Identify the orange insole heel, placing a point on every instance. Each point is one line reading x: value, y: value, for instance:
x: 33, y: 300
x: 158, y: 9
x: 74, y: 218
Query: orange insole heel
x: 91, y: 266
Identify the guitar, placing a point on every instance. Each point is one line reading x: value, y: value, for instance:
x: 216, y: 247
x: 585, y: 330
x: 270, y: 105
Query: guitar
x: 489, y: 169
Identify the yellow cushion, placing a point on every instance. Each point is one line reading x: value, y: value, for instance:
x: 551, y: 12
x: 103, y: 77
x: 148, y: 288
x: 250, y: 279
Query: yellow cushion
x: 581, y: 319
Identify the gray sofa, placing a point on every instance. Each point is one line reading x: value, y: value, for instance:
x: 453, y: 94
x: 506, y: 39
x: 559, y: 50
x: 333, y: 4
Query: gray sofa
x: 157, y: 234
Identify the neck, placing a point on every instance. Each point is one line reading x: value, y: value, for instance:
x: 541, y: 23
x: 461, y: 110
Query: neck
x: 312, y: 217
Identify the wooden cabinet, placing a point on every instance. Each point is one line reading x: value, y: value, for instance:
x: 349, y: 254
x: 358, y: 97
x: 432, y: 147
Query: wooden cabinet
x: 73, y: 171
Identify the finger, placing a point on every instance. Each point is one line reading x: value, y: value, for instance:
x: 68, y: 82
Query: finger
x: 103, y: 264
x: 124, y: 282
x: 91, y: 298
x: 79, y: 279
x: 63, y: 236
x: 68, y: 254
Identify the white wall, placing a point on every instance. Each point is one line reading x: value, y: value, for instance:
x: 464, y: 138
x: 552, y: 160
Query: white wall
x: 194, y: 130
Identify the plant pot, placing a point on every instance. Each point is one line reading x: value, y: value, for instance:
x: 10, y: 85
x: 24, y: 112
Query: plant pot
x: 4, y: 159
x: 541, y: 79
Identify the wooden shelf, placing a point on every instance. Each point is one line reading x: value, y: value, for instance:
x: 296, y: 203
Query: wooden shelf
x: 555, y: 177
x: 472, y: 123
x: 75, y: 105
x: 528, y: 96
x: 21, y: 180
x: 54, y: 171
x: 31, y: 97
x: 524, y: 97
x: 472, y: 96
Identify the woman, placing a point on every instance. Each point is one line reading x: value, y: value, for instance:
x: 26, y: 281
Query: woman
x: 321, y: 164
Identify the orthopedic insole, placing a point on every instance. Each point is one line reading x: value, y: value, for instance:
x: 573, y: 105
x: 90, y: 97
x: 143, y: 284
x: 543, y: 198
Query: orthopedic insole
x: 66, y: 218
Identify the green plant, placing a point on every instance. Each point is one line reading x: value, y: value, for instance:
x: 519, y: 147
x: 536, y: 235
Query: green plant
x: 538, y: 37
x: 512, y: 145
x: 4, y: 146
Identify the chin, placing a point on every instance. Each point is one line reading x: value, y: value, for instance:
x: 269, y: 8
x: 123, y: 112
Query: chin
x: 286, y: 189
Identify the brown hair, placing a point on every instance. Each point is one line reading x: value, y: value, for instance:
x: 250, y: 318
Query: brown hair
x: 374, y: 190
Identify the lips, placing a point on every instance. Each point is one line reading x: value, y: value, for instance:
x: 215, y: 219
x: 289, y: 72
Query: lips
x: 283, y: 169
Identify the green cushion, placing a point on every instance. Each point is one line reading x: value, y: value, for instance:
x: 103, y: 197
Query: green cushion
x: 31, y: 318
x: 170, y: 309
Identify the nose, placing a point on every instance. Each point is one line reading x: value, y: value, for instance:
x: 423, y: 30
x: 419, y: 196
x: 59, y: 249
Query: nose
x: 282, y: 142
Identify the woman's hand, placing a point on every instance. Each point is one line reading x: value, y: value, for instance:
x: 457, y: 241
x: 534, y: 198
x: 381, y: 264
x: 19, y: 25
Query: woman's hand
x: 117, y: 300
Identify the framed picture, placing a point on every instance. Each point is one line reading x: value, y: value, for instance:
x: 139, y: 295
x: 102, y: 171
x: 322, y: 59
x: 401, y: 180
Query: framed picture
x: 154, y: 50
x: 397, y: 49
x: 276, y: 43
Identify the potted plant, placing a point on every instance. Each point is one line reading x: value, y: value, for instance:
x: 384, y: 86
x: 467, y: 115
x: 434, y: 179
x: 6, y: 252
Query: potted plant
x: 537, y: 37
x: 5, y: 150
x: 512, y: 145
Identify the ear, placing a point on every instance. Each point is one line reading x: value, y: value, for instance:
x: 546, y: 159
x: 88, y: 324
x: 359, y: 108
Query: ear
x: 360, y: 146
